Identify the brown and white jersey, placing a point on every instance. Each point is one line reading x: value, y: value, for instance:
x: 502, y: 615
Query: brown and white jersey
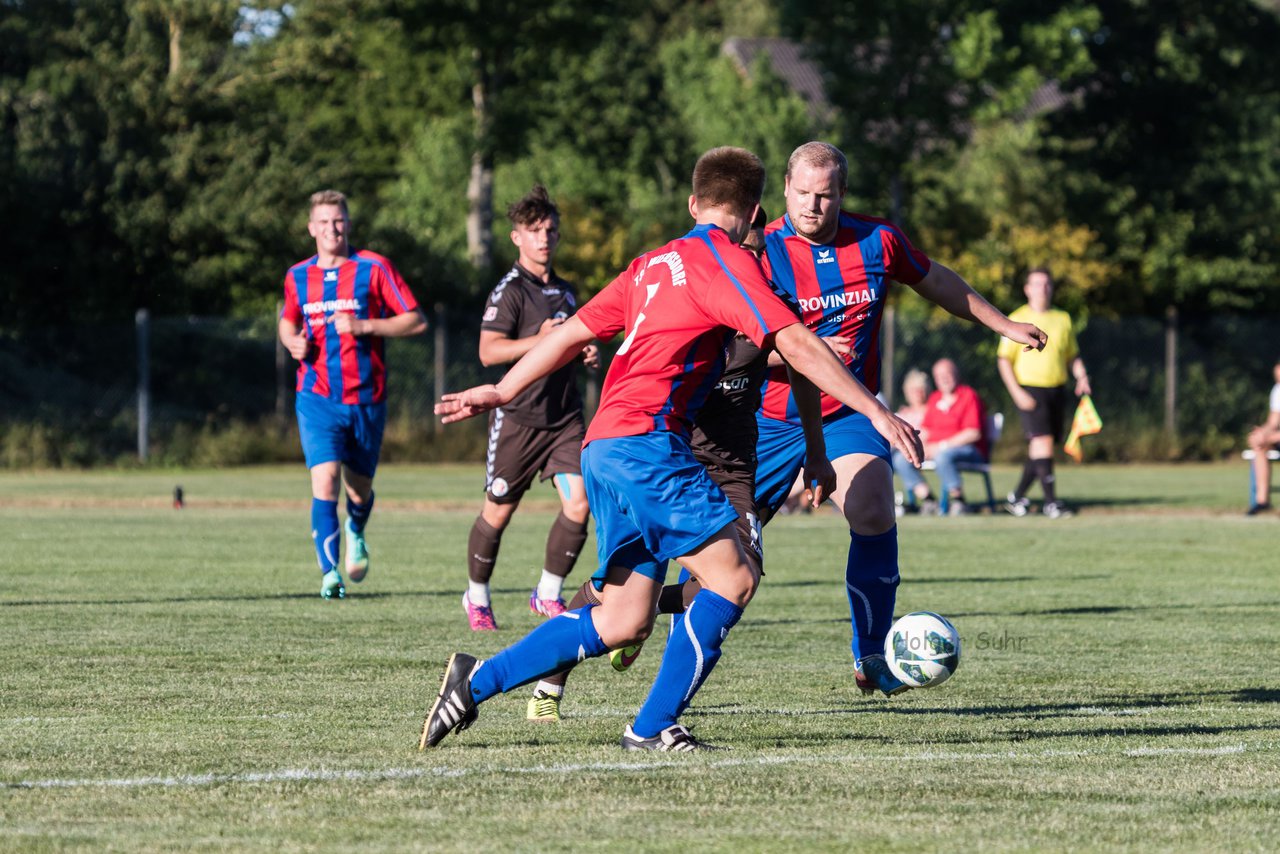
x: 517, y: 308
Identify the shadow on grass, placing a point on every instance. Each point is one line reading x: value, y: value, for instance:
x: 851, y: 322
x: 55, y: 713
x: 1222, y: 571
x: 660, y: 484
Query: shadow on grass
x: 1114, y: 609
x: 248, y: 597
x: 1123, y: 711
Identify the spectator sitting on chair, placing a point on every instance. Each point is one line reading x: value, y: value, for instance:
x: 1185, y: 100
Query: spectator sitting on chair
x: 952, y: 433
x: 915, y: 391
x: 1262, y: 439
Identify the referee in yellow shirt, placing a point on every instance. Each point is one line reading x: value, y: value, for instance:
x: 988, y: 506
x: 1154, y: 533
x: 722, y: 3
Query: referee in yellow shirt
x: 1037, y: 382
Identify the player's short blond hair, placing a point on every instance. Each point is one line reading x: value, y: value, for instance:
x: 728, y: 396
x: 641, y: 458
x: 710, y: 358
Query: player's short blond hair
x: 729, y: 177
x: 329, y: 197
x: 817, y: 154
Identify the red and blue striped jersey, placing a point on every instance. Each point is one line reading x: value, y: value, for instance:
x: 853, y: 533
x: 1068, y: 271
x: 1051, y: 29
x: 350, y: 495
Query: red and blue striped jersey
x: 680, y: 306
x: 838, y: 288
x: 344, y: 368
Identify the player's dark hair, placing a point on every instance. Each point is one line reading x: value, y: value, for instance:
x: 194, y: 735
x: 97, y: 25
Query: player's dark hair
x: 820, y: 154
x: 762, y: 218
x: 729, y: 177
x: 329, y: 197
x: 534, y: 207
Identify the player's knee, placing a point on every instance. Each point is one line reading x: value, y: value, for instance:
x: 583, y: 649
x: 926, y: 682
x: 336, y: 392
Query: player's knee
x: 870, y: 519
x: 576, y: 509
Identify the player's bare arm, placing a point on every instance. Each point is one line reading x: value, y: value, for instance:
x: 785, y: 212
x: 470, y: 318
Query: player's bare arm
x: 557, y: 349
x: 401, y: 325
x: 945, y: 287
x: 810, y: 355
x: 293, y: 339
x: 819, y: 474
x: 1081, y: 376
x: 841, y: 345
x: 1017, y: 393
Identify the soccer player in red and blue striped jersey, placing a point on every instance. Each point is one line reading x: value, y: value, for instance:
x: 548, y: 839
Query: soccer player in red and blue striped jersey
x: 678, y: 306
x: 835, y: 269
x: 339, y: 305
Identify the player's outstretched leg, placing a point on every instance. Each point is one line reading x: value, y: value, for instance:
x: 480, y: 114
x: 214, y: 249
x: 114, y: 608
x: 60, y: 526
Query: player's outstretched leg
x: 453, y: 710
x: 357, y: 548
x: 871, y: 581
x: 549, y: 648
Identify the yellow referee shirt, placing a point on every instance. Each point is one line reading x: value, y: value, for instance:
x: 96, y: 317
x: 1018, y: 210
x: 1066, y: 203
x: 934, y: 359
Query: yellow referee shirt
x: 1047, y: 368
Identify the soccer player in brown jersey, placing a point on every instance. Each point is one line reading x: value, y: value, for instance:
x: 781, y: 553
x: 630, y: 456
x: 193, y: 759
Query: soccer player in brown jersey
x: 541, y: 430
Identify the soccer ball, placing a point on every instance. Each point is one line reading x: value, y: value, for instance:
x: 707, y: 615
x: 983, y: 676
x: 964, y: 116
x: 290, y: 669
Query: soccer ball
x: 922, y: 649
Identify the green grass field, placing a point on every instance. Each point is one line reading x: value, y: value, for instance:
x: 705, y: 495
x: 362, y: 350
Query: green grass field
x: 173, y: 681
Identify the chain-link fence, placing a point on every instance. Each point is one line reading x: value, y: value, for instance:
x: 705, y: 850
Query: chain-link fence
x: 220, y: 391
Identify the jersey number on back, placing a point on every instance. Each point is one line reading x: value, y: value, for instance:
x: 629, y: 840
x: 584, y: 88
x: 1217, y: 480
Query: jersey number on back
x: 631, y: 336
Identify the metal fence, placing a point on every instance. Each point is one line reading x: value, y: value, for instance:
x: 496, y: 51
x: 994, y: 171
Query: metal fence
x: 77, y: 391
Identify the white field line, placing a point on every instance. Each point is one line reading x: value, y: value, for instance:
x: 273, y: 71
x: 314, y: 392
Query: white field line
x: 322, y: 775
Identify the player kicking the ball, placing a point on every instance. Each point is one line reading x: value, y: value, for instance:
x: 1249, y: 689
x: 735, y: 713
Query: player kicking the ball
x: 835, y: 269
x: 678, y: 306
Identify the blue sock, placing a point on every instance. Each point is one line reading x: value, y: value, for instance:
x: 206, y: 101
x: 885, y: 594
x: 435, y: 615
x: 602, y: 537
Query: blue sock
x: 871, y: 579
x: 558, y: 643
x: 692, y: 651
x: 359, y: 513
x: 324, y: 532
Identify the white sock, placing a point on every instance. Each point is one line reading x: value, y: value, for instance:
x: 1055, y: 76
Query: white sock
x: 550, y: 586
x: 478, y: 593
x: 548, y: 688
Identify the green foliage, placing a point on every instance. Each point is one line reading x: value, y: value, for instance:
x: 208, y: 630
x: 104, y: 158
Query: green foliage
x: 159, y: 154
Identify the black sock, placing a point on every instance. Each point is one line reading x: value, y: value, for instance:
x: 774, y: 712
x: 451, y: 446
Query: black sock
x: 1028, y: 477
x: 1044, y: 471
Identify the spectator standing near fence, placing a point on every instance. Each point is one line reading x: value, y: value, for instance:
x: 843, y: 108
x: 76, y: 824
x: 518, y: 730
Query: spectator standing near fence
x: 339, y: 305
x: 541, y: 429
x: 1037, y: 382
x: 1262, y: 439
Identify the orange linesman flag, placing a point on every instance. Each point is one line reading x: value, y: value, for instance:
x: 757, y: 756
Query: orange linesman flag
x: 1085, y: 422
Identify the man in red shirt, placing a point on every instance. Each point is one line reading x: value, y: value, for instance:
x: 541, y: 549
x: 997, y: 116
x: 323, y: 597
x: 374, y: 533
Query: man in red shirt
x: 953, y: 433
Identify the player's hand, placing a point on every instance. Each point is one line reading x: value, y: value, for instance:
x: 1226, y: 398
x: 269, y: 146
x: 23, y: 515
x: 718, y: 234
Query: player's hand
x: 346, y: 323
x: 1083, y: 387
x: 591, y: 356
x: 464, y: 404
x: 549, y: 324
x: 820, y: 481
x: 900, y: 434
x: 297, y: 345
x: 1024, y: 401
x: 1029, y: 335
x: 842, y: 346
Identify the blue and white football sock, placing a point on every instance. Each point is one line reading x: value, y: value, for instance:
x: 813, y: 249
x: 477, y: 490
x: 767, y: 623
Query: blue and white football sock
x: 359, y: 513
x: 692, y: 651
x: 871, y: 580
x: 558, y: 643
x: 324, y: 533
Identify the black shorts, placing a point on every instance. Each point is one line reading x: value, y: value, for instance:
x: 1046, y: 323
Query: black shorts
x: 518, y: 452
x: 739, y: 486
x: 1049, y: 415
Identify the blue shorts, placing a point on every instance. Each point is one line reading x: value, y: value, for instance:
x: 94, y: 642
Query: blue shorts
x: 348, y: 433
x: 780, y: 452
x: 652, y: 501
